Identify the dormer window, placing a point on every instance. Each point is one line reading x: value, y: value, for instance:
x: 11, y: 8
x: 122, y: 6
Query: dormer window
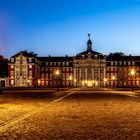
x: 12, y: 59
x: 95, y: 56
x: 83, y: 56
x: 30, y: 59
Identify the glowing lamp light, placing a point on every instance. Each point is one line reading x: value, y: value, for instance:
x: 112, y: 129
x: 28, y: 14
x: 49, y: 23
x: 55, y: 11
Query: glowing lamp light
x: 30, y: 66
x: 39, y: 82
x: 96, y: 83
x: 57, y: 72
x: 113, y: 77
x: 105, y: 80
x: 132, y: 72
x: 70, y: 78
x: 12, y: 82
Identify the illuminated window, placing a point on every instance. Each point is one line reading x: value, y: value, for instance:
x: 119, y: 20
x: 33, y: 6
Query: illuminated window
x: 30, y: 73
x: 124, y: 62
x: 30, y: 66
x: 12, y: 66
x: 63, y: 63
x: 12, y: 74
x: 12, y: 82
x: 67, y: 63
x: 46, y: 83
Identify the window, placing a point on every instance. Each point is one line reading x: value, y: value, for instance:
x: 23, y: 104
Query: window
x: 50, y: 63
x: 124, y: 62
x: 12, y: 74
x: 12, y: 59
x: 111, y: 63
x: 46, y: 63
x: 17, y: 74
x: 42, y: 75
x: 30, y: 66
x: 95, y: 56
x: 129, y: 63
x: 120, y: 63
x: 133, y: 63
x: 63, y: 63
x: 116, y: 63
x: 12, y: 82
x: 67, y: 63
x: 59, y: 63
x: 24, y: 74
x: 83, y: 56
x: 30, y: 73
x: 12, y: 66
x: 30, y: 59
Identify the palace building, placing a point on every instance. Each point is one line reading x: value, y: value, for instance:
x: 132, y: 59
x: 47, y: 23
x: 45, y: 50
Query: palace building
x: 88, y: 68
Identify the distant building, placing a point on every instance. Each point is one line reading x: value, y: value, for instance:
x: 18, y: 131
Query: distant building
x: 123, y: 71
x: 88, y: 68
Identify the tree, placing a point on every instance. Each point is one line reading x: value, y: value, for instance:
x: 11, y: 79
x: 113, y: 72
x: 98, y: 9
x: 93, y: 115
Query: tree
x: 116, y: 55
x: 3, y: 67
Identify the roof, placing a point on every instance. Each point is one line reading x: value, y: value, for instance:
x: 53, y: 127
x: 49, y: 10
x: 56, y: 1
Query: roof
x: 55, y: 58
x: 92, y: 52
x: 123, y: 58
x: 26, y: 54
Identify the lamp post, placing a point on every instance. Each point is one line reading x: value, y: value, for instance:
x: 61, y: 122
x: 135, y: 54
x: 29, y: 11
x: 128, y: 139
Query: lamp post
x: 57, y: 73
x: 105, y: 81
x: 39, y: 82
x: 113, y: 78
x: 75, y: 82
x: 28, y: 81
x: 70, y: 79
x: 132, y: 74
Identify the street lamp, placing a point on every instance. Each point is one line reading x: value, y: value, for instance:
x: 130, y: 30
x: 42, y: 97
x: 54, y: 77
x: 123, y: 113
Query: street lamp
x: 57, y: 73
x: 105, y: 81
x: 39, y: 82
x: 113, y: 78
x: 75, y: 82
x: 28, y: 81
x: 132, y: 72
x: 70, y: 79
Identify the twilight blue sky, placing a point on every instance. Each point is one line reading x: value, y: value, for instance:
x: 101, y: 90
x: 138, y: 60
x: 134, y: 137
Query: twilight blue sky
x: 60, y: 27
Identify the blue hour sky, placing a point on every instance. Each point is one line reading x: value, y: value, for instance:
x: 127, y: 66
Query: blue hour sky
x: 60, y: 27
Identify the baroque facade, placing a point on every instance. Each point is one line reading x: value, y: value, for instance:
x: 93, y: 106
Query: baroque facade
x: 88, y: 68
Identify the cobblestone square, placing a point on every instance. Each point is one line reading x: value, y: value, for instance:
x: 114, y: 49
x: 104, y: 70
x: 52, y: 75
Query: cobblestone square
x: 71, y: 114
